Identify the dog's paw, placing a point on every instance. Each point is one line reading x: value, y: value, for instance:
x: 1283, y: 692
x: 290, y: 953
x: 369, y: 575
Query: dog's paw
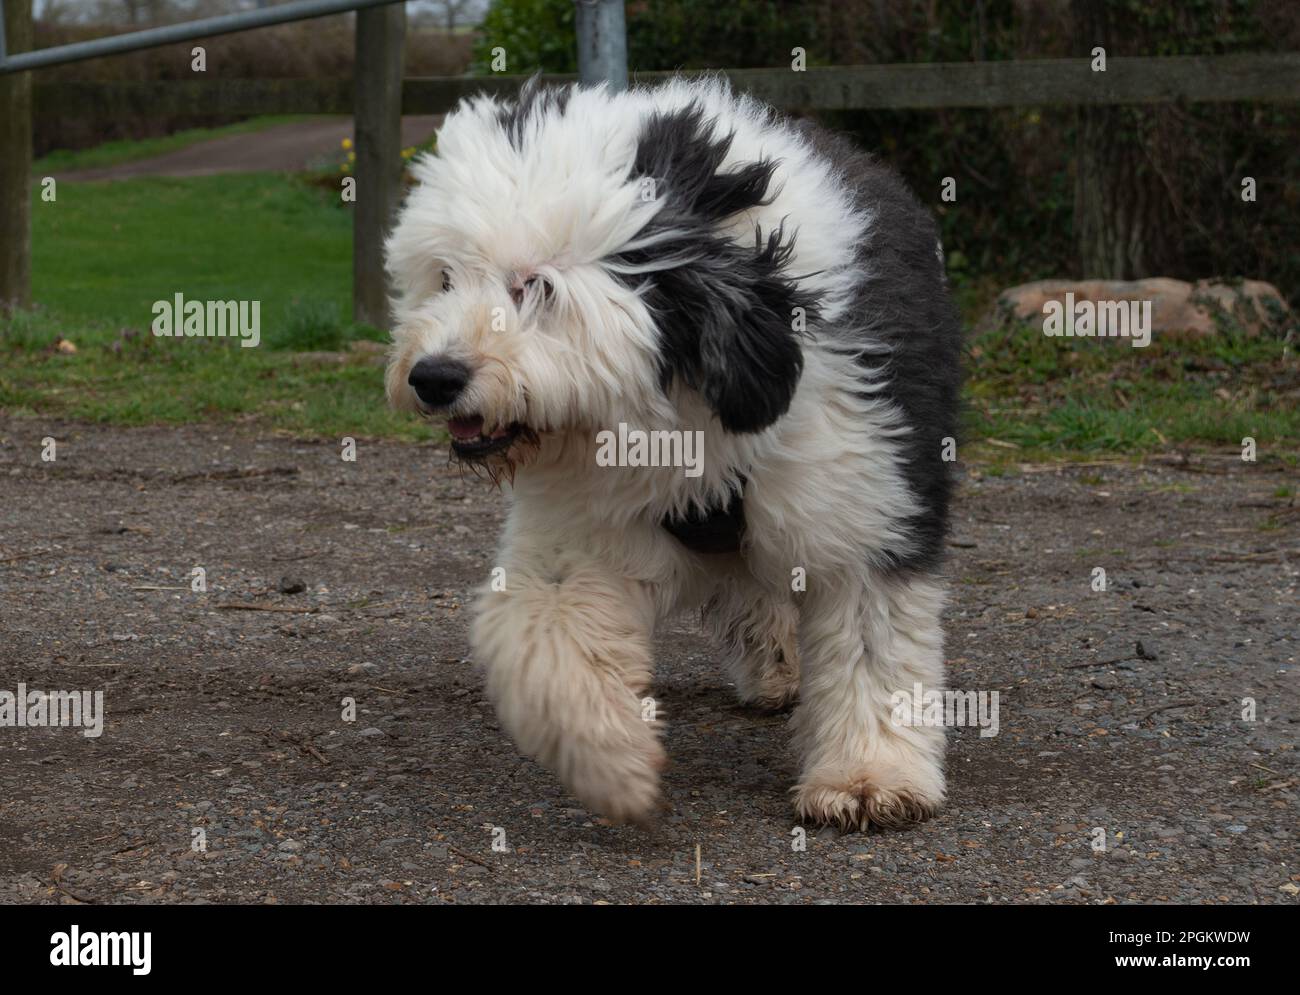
x: 618, y: 780
x: 771, y: 683
x: 774, y: 692
x: 865, y: 803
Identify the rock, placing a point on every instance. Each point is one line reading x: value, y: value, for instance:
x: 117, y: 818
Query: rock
x: 1176, y: 306
x: 292, y: 585
x: 372, y: 731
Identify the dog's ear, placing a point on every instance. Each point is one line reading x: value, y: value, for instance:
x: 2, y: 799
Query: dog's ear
x: 728, y: 324
x: 729, y: 316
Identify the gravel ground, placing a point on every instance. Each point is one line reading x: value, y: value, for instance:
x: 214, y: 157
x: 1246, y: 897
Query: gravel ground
x: 226, y: 773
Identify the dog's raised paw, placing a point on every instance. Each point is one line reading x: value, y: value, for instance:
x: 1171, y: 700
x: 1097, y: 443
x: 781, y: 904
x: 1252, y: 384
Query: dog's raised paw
x: 620, y: 782
x: 863, y: 805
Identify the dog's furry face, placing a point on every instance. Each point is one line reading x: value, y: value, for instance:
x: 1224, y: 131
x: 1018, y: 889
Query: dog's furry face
x: 570, y: 262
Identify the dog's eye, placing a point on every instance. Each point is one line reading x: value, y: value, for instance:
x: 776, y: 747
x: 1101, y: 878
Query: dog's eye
x: 446, y: 280
x: 533, y: 285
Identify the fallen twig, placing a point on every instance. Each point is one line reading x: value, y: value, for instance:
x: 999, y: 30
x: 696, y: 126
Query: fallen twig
x: 242, y: 607
x: 302, y: 743
x: 1058, y: 467
x: 1245, y: 558
x: 1098, y: 663
x: 469, y: 856
x: 25, y: 556
x: 1277, y: 786
x: 1180, y: 461
x: 236, y: 474
x: 1186, y: 703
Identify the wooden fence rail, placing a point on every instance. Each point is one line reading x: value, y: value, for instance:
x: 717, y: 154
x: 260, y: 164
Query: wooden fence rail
x: 922, y: 86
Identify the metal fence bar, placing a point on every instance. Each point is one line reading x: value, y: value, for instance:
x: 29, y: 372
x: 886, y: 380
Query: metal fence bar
x: 602, y: 42
x: 208, y: 27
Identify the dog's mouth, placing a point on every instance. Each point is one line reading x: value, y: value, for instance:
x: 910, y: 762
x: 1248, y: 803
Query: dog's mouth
x: 470, y: 442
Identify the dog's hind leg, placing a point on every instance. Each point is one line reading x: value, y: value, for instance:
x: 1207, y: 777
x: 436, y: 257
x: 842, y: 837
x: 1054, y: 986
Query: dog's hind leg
x: 757, y: 633
x: 861, y: 648
x: 566, y: 648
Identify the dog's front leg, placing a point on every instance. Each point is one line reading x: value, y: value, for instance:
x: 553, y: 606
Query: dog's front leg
x: 864, y: 648
x: 566, y: 648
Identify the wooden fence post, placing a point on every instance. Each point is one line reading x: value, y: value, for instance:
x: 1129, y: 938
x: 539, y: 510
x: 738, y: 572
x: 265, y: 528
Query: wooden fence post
x: 377, y: 110
x: 16, y: 164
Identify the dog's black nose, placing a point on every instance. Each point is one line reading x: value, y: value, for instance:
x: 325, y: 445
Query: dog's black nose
x: 438, y: 381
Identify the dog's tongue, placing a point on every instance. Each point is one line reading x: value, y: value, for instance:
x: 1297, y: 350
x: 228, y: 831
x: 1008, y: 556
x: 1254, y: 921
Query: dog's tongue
x: 466, y: 428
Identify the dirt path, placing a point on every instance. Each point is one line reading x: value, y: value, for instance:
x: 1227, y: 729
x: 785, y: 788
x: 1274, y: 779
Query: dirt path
x: 224, y: 726
x: 288, y: 147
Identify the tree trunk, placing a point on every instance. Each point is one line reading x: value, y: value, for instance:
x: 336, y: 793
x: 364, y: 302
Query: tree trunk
x: 1123, y: 216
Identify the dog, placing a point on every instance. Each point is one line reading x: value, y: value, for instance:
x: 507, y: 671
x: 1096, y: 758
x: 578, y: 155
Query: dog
x: 681, y: 259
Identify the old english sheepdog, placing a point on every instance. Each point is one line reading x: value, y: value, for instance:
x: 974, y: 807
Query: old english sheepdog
x: 682, y: 262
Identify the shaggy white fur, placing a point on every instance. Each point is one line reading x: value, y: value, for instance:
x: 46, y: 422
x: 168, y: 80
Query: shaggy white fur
x: 510, y: 257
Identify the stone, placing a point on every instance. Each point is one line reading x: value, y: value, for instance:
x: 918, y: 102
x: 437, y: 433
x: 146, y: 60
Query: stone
x: 1177, y: 306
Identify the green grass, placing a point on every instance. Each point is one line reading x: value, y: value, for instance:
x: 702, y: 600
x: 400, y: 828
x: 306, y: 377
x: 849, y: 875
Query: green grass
x: 147, y: 381
x: 113, y: 153
x: 1053, y: 397
x: 104, y: 252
